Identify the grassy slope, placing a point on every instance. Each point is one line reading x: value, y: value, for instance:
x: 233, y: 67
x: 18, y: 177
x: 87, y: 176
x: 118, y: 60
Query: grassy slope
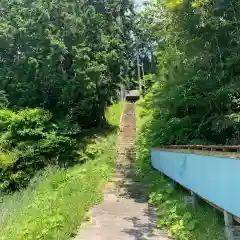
x: 55, y: 203
x: 181, y: 221
x: 113, y: 114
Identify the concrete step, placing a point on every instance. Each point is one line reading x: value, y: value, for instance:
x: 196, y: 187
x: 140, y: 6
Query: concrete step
x: 127, y: 135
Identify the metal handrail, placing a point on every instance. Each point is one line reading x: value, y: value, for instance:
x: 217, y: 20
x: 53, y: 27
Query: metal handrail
x: 221, y: 148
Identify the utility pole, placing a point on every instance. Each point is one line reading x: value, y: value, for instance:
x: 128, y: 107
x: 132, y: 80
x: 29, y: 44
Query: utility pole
x: 142, y: 66
x: 138, y: 70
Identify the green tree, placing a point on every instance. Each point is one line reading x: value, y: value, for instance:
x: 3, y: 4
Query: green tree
x: 196, y: 92
x: 66, y: 56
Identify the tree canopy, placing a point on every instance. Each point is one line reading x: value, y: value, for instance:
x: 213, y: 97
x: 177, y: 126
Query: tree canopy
x: 196, y: 93
x: 61, y: 64
x: 67, y: 56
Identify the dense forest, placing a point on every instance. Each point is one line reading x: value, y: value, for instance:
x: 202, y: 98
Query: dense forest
x: 194, y: 96
x: 62, y: 63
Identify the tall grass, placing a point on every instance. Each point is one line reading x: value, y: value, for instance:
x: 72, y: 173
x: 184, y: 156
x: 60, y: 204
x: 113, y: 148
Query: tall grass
x: 55, y: 203
x: 113, y: 114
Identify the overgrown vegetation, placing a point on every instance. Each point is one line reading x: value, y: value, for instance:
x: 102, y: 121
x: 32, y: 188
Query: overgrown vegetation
x: 55, y: 202
x: 182, y: 222
x: 29, y: 141
x: 194, y: 98
x: 62, y: 64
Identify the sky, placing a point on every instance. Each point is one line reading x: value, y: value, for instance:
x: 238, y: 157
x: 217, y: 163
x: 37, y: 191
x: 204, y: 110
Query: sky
x: 139, y: 2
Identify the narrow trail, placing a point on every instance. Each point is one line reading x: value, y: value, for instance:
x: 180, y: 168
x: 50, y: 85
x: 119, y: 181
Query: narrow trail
x: 124, y: 214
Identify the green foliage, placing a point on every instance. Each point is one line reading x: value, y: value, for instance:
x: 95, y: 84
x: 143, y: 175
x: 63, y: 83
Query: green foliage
x: 29, y: 141
x: 193, y: 98
x: 181, y: 221
x: 65, y: 56
x: 3, y: 99
x: 55, y: 203
x: 195, y: 95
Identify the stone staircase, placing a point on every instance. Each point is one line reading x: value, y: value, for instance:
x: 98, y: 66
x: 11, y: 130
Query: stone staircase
x: 124, y: 214
x: 127, y: 134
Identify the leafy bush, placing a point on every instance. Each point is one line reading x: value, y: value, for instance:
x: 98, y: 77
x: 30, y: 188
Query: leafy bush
x: 29, y: 141
x: 3, y: 99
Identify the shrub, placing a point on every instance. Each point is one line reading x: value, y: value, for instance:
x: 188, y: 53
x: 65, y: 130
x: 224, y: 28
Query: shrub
x: 29, y: 141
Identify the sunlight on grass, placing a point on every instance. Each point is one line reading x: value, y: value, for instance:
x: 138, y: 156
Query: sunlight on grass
x: 55, y: 203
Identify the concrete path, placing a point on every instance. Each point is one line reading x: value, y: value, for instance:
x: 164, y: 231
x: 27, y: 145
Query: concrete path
x: 124, y: 214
